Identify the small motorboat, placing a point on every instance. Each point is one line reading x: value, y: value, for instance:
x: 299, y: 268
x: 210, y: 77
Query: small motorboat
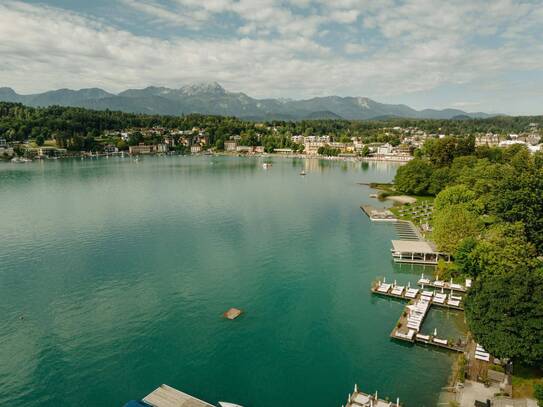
x: 302, y: 173
x: 266, y: 165
x: 225, y: 404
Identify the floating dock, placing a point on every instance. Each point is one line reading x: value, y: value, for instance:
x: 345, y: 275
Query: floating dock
x: 232, y: 313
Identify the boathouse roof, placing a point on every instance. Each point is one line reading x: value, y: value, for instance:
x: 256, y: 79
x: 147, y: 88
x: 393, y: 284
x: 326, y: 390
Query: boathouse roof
x: 412, y: 246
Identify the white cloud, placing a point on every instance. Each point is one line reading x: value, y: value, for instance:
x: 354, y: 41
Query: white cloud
x: 354, y: 48
x: 415, y: 46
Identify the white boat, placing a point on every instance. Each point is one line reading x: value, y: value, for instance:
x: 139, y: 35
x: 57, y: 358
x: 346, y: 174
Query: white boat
x: 20, y: 160
x: 302, y: 173
x: 225, y: 404
x: 266, y: 166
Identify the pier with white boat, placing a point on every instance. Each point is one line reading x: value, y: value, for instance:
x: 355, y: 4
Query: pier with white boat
x: 167, y: 396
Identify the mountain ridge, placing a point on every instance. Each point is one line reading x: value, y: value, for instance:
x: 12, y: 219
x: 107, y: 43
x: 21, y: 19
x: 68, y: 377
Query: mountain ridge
x: 212, y: 98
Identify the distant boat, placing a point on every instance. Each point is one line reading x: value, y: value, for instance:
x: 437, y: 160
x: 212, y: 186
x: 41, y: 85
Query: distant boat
x: 20, y: 160
x: 266, y: 165
x: 302, y: 173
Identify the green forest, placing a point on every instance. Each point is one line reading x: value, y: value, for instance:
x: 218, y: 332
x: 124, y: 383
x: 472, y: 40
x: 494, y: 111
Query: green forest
x: 78, y: 128
x: 489, y: 215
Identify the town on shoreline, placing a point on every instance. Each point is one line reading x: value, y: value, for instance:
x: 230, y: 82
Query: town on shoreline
x: 58, y: 132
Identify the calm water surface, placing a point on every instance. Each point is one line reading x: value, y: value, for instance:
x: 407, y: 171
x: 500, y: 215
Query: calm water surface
x: 121, y: 270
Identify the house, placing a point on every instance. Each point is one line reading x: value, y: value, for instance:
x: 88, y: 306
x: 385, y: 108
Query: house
x: 110, y: 149
x: 385, y: 149
x: 6, y: 151
x: 259, y: 149
x: 311, y: 148
x: 50, y: 151
x: 244, y: 149
x: 285, y: 151
x: 161, y: 148
x: 3, y: 143
x: 230, y: 145
x: 170, y: 141
x: 195, y: 149
x: 141, y: 149
x: 184, y: 141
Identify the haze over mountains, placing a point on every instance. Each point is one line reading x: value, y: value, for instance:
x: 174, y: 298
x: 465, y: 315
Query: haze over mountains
x: 212, y: 98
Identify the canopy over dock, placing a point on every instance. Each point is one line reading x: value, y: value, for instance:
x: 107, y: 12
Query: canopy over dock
x: 416, y: 251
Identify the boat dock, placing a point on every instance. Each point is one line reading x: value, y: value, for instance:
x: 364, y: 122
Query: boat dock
x: 378, y: 215
x: 444, y: 285
x: 408, y: 293
x: 166, y: 396
x: 408, y: 328
x: 417, y: 252
x: 360, y: 399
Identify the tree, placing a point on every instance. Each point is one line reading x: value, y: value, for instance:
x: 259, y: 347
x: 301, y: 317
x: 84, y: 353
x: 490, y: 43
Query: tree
x: 464, y: 257
x: 40, y: 140
x: 505, y: 314
x: 365, y: 151
x: 457, y: 194
x: 502, y: 247
x: 440, y: 178
x: 538, y: 394
x: 518, y: 197
x: 414, y: 177
x: 452, y: 224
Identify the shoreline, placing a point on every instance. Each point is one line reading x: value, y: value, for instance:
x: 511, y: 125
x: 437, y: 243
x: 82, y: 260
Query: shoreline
x: 398, y: 160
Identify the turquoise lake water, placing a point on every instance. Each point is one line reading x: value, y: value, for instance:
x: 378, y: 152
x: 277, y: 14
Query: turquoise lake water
x: 114, y: 275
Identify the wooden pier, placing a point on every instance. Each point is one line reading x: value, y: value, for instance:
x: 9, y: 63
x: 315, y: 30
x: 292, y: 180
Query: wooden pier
x: 378, y: 215
x: 166, y: 396
x: 360, y: 399
x: 408, y: 327
x: 405, y: 295
x: 444, y: 285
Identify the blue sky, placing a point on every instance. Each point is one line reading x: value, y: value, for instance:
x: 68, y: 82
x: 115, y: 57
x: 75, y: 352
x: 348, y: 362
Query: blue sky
x: 476, y: 55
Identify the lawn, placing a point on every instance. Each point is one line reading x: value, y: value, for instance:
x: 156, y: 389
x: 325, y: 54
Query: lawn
x: 524, y: 379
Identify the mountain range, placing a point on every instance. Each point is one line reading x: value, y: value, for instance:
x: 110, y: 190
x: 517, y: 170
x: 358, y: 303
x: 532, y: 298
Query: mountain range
x: 212, y: 98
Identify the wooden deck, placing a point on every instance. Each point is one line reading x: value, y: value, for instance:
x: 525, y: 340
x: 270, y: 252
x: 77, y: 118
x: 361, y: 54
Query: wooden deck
x: 360, y: 399
x: 445, y: 285
x: 412, y: 334
x: 378, y: 215
x: 374, y: 290
x: 166, y: 396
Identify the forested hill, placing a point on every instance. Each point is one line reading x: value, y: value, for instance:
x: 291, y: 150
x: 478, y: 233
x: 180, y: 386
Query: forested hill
x: 212, y: 98
x: 20, y: 122
x: 489, y: 216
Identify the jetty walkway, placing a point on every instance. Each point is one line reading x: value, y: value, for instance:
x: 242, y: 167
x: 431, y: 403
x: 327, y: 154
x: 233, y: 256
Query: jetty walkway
x: 408, y: 327
x: 360, y: 399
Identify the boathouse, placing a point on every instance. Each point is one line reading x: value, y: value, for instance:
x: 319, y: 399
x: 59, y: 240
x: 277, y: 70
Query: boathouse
x: 416, y: 251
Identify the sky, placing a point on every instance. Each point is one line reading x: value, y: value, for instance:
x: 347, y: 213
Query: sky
x: 474, y: 55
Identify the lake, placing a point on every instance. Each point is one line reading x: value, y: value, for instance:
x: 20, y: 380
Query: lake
x: 114, y: 275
